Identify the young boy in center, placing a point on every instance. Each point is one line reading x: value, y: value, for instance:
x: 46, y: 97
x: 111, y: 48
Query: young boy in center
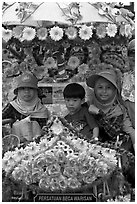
x: 79, y: 116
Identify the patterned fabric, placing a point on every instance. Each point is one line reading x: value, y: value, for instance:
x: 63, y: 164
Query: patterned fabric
x: 128, y: 88
x: 10, y: 112
x: 83, y: 121
x: 112, y: 126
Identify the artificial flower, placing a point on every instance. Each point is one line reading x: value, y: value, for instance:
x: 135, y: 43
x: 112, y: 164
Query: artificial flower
x: 101, y: 30
x: 71, y: 32
x: 128, y: 30
x: 40, y: 72
x: 56, y: 33
x: 111, y: 30
x: 73, y: 62
x: 17, y: 32
x: 85, y: 32
x: 50, y: 63
x: 42, y: 33
x: 6, y: 34
x: 83, y: 68
x: 115, y: 12
x: 28, y: 34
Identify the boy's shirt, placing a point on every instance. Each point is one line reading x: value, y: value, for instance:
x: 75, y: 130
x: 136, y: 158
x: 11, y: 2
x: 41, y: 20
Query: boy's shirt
x: 82, y: 121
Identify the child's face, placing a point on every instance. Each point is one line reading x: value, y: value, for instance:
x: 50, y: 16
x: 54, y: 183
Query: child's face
x: 27, y: 94
x: 104, y: 90
x: 73, y: 104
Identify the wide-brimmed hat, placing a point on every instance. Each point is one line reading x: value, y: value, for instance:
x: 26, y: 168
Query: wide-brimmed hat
x: 107, y: 74
x: 27, y: 79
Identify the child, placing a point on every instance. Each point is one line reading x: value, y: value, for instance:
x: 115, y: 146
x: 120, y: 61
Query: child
x: 26, y: 104
x: 108, y: 107
x: 79, y: 117
x: 112, y: 116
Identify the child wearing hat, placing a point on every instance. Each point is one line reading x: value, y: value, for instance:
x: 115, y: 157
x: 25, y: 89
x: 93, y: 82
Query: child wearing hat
x: 26, y: 105
x: 79, y: 116
x: 109, y: 109
x: 112, y: 116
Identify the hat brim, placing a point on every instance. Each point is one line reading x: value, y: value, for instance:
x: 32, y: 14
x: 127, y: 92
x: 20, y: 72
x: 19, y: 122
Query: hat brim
x: 92, y: 79
x: 16, y: 90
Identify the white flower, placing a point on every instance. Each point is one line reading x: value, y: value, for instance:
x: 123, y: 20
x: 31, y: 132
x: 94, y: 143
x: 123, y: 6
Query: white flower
x: 56, y: 33
x: 6, y: 34
x: 85, y: 32
x: 28, y: 33
x: 42, y: 33
x: 111, y: 29
x: 71, y: 32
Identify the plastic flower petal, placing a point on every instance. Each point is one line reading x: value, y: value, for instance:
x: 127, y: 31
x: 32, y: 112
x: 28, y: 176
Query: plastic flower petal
x: 6, y: 34
x: 28, y: 33
x: 42, y: 33
x: 73, y: 62
x: 83, y: 68
x: 50, y: 63
x: 56, y: 33
x: 111, y: 30
x: 71, y: 32
x: 101, y: 31
x: 17, y: 31
x: 128, y: 30
x: 85, y: 32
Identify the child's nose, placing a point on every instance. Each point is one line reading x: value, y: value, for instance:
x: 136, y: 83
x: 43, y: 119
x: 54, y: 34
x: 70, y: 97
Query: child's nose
x: 70, y: 103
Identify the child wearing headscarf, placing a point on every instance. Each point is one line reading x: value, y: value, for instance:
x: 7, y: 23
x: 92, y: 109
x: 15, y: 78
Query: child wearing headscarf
x: 26, y: 107
x: 112, y: 116
x: 107, y: 104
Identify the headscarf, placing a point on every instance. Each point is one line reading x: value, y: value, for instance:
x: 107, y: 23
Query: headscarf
x: 34, y: 109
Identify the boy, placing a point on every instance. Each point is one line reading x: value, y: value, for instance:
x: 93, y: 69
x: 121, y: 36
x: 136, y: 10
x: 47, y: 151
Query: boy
x: 79, y: 117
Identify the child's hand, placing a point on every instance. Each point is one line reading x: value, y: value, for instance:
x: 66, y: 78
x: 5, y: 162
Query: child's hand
x: 93, y: 109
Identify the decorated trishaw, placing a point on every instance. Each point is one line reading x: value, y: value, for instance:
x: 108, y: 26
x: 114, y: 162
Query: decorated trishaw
x: 62, y: 43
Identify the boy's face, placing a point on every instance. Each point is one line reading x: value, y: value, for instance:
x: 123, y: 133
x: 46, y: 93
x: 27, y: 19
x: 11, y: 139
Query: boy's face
x: 27, y: 94
x: 73, y: 104
x: 104, y: 90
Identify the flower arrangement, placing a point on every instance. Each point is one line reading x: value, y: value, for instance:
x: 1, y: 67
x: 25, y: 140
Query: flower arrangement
x: 61, y: 161
x: 57, y: 33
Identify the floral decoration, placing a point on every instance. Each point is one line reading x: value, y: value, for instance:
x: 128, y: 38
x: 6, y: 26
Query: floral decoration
x: 56, y: 33
x: 71, y: 32
x: 85, y: 32
x: 53, y: 163
x: 42, y: 33
x: 62, y: 161
x: 73, y: 62
x: 17, y: 32
x: 101, y: 31
x: 111, y: 30
x: 6, y: 34
x: 28, y: 34
x: 50, y: 63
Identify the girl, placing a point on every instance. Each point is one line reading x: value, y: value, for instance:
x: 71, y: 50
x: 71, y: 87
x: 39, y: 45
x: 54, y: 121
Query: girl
x: 26, y: 105
x: 109, y: 110
x: 112, y: 116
